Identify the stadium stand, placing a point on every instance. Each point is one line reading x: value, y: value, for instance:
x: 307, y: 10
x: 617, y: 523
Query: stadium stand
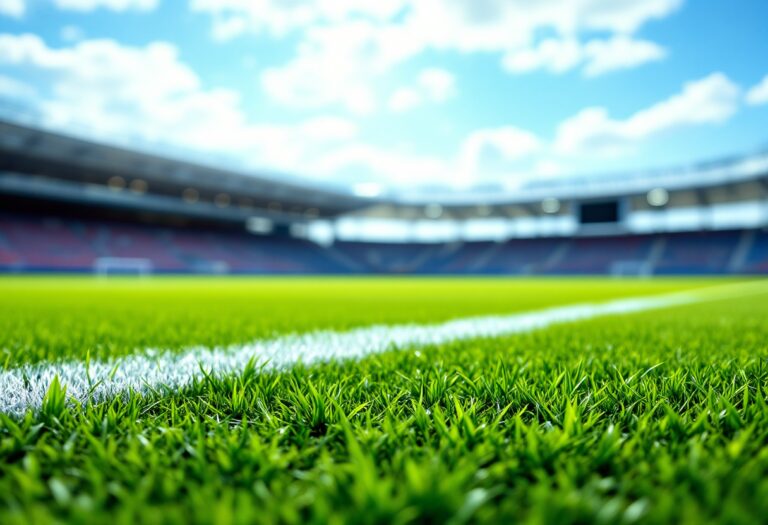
x: 39, y: 244
x: 523, y: 256
x: 31, y: 243
x: 389, y: 257
x: 73, y: 205
x: 698, y: 253
x: 601, y: 254
x: 756, y: 257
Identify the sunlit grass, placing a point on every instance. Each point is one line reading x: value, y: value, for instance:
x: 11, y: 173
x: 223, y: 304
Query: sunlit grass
x: 51, y: 318
x: 655, y: 417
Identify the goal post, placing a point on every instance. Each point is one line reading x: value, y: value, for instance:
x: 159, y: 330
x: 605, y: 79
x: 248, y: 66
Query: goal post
x: 634, y: 268
x: 105, y: 266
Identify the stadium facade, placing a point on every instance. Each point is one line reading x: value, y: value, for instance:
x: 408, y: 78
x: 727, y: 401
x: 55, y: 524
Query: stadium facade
x: 74, y: 205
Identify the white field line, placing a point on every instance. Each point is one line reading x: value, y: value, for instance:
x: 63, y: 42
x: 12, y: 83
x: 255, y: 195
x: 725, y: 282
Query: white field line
x: 24, y: 388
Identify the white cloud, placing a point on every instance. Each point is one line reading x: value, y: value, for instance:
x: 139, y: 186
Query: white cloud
x: 432, y: 85
x: 510, y: 142
x: 228, y: 28
x: 338, y: 65
x: 114, y: 5
x: 596, y: 56
x: 329, y: 129
x: 71, y: 33
x: 438, y: 84
x: 345, y: 46
x: 279, y: 16
x: 504, y: 25
x: 404, y: 99
x: 12, y: 8
x: 619, y: 52
x: 463, y: 25
x: 483, y: 155
x: 553, y: 54
x: 758, y: 94
x: 331, y: 68
x: 508, y: 154
x: 15, y: 89
x: 712, y: 99
x: 622, y: 16
x: 148, y: 94
x: 487, y: 153
x: 548, y: 168
x: 365, y: 162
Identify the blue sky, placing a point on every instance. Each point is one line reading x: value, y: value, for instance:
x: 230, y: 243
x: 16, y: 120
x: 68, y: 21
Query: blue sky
x: 399, y: 92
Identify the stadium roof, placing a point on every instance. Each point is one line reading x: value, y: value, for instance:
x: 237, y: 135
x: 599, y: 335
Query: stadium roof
x: 39, y: 146
x: 42, y: 161
x: 693, y: 176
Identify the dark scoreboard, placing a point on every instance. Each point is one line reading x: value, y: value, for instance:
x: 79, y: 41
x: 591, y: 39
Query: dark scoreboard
x: 603, y: 212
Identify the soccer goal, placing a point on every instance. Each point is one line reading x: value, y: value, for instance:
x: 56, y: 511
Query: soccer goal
x: 631, y: 268
x: 104, y: 266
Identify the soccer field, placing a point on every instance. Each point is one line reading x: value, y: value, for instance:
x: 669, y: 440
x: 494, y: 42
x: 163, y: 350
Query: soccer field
x: 177, y: 400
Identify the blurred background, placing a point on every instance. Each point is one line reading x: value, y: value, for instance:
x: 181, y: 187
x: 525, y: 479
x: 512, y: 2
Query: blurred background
x: 348, y: 137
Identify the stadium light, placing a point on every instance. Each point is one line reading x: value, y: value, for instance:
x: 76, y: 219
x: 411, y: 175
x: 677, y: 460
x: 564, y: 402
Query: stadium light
x: 550, y: 205
x: 259, y: 225
x: 658, y: 197
x: 190, y: 195
x: 138, y: 186
x: 222, y: 200
x: 484, y: 210
x: 116, y: 183
x: 433, y: 211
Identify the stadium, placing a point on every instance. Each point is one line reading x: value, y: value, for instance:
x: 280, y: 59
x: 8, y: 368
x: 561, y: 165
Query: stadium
x: 72, y: 205
x: 383, y: 262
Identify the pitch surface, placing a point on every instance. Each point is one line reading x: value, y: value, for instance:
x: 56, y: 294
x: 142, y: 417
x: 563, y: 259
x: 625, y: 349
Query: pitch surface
x: 648, y: 417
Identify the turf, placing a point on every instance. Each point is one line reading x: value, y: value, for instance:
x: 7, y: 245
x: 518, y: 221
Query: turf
x: 659, y: 417
x: 45, y: 319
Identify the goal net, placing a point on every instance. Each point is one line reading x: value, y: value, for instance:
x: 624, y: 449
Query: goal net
x: 105, y: 266
x: 631, y: 268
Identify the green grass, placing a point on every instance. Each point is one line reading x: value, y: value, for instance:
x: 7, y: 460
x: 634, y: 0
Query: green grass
x: 45, y: 319
x: 659, y: 417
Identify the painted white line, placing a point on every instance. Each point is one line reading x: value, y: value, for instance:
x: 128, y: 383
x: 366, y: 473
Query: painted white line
x: 24, y: 388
